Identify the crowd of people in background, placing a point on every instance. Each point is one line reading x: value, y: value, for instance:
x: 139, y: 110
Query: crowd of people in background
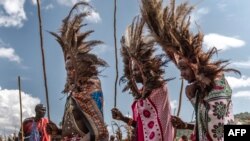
x: 11, y: 137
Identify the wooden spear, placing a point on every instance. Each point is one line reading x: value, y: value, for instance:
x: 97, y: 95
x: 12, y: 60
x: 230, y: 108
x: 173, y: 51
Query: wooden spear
x: 179, y: 106
x: 21, y: 110
x: 116, y: 56
x: 43, y: 58
x: 180, y: 99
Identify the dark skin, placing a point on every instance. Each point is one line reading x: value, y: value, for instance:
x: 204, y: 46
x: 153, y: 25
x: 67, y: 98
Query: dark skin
x: 116, y: 114
x: 188, y: 74
x: 52, y: 129
x: 179, y: 124
x: 40, y: 113
x: 70, y: 70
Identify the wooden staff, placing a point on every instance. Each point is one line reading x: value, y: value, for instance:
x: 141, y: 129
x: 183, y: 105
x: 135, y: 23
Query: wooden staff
x: 192, y: 116
x: 21, y: 110
x: 116, y: 56
x: 179, y: 105
x: 180, y: 99
x: 43, y: 60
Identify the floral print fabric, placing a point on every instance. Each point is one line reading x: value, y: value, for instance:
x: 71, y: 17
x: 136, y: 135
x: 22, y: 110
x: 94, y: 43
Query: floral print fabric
x: 214, y: 111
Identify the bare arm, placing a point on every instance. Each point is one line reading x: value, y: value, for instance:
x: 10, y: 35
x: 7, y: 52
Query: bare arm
x: 116, y: 114
x: 179, y: 124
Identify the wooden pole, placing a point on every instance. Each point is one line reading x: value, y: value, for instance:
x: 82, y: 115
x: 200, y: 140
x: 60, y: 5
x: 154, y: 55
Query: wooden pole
x: 21, y: 109
x: 179, y: 106
x: 116, y: 56
x: 180, y: 99
x: 192, y: 117
x: 43, y: 58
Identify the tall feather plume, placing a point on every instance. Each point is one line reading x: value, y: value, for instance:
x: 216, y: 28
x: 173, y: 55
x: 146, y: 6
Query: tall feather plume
x: 170, y: 28
x: 75, y: 46
x: 137, y: 50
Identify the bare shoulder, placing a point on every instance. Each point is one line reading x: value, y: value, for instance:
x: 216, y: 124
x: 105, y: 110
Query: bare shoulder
x: 28, y: 119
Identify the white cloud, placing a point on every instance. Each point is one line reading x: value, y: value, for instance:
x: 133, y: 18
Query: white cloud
x: 238, y: 82
x: 12, y: 13
x: 93, y: 17
x: 242, y: 64
x: 70, y: 2
x: 48, y: 7
x: 222, y: 6
x: 8, y: 52
x: 242, y: 94
x: 173, y: 105
x: 9, y: 105
x: 222, y: 42
x: 110, y: 130
x: 196, y: 15
x: 129, y: 115
x: 101, y: 49
x: 34, y: 2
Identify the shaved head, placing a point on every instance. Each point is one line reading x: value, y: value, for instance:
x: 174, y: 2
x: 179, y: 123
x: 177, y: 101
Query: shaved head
x: 40, y: 106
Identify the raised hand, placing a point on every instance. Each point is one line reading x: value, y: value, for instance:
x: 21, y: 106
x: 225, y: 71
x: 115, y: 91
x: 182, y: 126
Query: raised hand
x: 178, y: 123
x: 51, y: 128
x: 116, y: 114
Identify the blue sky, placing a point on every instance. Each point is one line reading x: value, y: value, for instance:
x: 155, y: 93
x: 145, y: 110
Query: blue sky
x: 225, y: 25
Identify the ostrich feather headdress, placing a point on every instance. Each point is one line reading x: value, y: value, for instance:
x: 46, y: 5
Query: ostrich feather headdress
x: 138, y: 51
x: 76, y: 48
x: 170, y: 27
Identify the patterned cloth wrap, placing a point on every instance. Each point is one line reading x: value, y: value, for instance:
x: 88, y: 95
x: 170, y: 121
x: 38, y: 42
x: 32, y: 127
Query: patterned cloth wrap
x: 89, y: 102
x: 35, y: 131
x: 214, y: 112
x: 153, y: 116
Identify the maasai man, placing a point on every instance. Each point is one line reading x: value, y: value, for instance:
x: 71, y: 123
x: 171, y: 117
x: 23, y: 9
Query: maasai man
x: 207, y: 88
x: 34, y: 128
x: 151, y: 106
x: 83, y: 115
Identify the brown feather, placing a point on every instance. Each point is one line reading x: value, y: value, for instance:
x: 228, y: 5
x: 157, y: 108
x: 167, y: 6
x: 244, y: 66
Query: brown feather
x: 75, y: 46
x: 170, y: 27
x: 137, y: 47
